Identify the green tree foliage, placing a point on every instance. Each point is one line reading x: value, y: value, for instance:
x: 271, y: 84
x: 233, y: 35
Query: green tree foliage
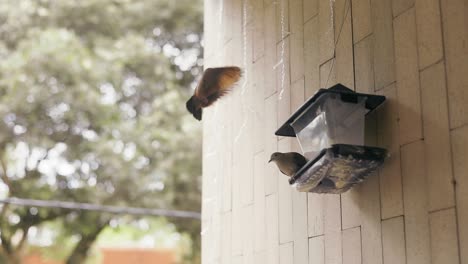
x: 92, y: 99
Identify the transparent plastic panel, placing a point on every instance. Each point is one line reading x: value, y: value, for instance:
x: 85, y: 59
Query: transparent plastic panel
x: 340, y: 168
x: 314, y: 137
x: 330, y: 121
x: 313, y: 175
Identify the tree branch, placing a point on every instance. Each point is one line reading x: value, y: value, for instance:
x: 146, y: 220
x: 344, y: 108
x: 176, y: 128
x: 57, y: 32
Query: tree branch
x: 20, y: 245
x: 6, y: 245
x: 5, y: 206
x: 80, y: 251
x: 4, y: 173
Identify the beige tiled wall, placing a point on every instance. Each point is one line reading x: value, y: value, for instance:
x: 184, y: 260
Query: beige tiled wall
x: 415, y: 208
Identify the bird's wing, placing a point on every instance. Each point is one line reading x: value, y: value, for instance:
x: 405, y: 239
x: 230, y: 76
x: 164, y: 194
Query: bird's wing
x: 299, y: 160
x: 228, y: 77
x: 284, y: 173
x: 216, y: 82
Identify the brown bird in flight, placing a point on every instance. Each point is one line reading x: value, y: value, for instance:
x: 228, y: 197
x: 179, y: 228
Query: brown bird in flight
x: 288, y: 163
x: 215, y: 83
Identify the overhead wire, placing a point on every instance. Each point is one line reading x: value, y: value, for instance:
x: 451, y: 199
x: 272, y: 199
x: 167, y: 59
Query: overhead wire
x: 99, y: 208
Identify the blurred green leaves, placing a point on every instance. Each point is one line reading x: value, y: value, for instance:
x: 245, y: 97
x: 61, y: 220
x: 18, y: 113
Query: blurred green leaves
x: 92, y: 99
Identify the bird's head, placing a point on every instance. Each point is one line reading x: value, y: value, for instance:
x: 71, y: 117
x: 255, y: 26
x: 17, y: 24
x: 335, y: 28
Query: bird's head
x: 194, y: 108
x: 275, y: 156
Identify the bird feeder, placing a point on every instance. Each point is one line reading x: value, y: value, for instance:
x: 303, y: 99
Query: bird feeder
x: 330, y: 130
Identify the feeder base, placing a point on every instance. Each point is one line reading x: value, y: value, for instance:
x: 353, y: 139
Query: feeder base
x: 337, y: 169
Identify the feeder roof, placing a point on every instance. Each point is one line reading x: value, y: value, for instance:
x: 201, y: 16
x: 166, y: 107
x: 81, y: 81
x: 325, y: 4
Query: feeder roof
x: 346, y: 95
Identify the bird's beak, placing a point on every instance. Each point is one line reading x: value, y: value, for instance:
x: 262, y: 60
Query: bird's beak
x: 269, y: 160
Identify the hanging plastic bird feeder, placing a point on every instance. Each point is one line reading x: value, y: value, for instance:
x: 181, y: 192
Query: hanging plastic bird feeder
x: 330, y: 130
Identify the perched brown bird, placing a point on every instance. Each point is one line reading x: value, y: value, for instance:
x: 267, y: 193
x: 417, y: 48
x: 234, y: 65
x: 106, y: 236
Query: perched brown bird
x: 215, y: 83
x: 288, y: 163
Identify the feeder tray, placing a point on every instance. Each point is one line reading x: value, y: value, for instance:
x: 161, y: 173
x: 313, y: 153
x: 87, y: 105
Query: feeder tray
x: 330, y: 130
x: 337, y: 169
